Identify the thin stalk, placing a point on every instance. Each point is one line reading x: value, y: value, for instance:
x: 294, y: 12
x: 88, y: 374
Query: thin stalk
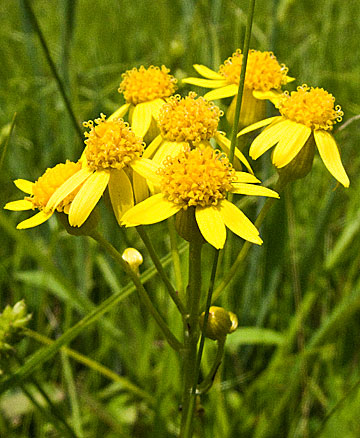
x: 6, y: 144
x: 53, y: 68
x: 206, y: 384
x: 170, y: 337
x: 191, y: 331
x: 231, y: 274
x: 94, y: 365
x: 189, y: 422
x: 175, y: 254
x: 245, y: 51
x: 157, y: 263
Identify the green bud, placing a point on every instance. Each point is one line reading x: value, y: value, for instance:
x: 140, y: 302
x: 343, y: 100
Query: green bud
x: 219, y: 324
x: 12, y: 321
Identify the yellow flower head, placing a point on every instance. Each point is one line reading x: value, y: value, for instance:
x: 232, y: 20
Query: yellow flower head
x: 189, y: 119
x: 263, y: 71
x: 312, y: 107
x: 41, y: 191
x: 147, y: 84
x: 110, y: 144
x: 307, y: 116
x: 200, y: 179
x: 197, y: 177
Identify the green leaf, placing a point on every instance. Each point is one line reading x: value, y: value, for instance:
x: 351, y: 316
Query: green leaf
x: 253, y: 335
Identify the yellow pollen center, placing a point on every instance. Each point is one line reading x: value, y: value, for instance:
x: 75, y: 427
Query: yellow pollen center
x: 263, y: 72
x: 196, y: 177
x: 144, y: 85
x: 50, y: 181
x: 189, y: 119
x: 111, y: 144
x: 313, y: 107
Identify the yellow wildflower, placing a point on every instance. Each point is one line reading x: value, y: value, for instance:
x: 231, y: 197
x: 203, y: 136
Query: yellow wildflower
x: 111, y: 148
x: 41, y: 191
x: 307, y: 114
x: 145, y: 91
x: 188, y: 122
x: 200, y: 179
x: 263, y: 80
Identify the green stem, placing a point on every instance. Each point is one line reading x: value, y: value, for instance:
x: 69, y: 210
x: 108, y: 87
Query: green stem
x: 245, y: 51
x: 172, y: 340
x: 53, y: 68
x: 231, y: 274
x: 189, y: 422
x: 206, y: 384
x: 175, y: 256
x: 191, y: 333
x: 157, y: 263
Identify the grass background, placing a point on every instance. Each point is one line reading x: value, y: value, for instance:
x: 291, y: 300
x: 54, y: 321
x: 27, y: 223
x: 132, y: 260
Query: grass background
x: 299, y: 377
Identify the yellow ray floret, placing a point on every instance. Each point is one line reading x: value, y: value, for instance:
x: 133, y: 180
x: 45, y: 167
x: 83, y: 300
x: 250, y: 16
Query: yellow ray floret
x: 307, y: 114
x: 200, y: 179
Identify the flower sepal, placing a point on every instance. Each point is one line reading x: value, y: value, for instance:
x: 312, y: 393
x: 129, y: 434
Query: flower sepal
x: 85, y: 229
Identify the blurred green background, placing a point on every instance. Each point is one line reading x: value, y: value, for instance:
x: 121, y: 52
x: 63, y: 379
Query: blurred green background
x: 299, y: 377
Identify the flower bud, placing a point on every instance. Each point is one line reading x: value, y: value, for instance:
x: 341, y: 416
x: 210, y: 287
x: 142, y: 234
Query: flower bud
x: 12, y: 320
x: 134, y: 258
x: 219, y: 324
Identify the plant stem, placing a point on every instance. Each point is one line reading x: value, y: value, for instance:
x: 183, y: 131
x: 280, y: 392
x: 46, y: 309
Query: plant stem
x: 245, y: 51
x: 157, y: 263
x: 189, y: 422
x: 172, y: 340
x: 191, y: 333
x: 175, y: 256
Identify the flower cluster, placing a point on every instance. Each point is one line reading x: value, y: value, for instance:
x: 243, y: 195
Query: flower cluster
x: 170, y: 157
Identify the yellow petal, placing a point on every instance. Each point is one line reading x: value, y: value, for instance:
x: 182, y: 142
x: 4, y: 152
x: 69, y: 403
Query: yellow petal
x: 141, y: 119
x: 169, y: 149
x: 238, y: 223
x: 88, y: 196
x: 156, y: 106
x: 270, y: 94
x: 258, y: 125
x: 207, y: 83
x: 146, y: 168
x: 268, y: 138
x: 245, y: 177
x: 69, y: 186
x: 291, y: 142
x: 219, y: 93
x: 120, y: 192
x: 20, y: 205
x: 24, y: 185
x: 330, y: 155
x: 211, y: 225
x: 289, y: 79
x: 251, y: 190
x: 153, y: 147
x: 120, y: 112
x: 225, y: 146
x: 35, y: 220
x: 140, y: 187
x: 152, y: 210
x: 207, y: 72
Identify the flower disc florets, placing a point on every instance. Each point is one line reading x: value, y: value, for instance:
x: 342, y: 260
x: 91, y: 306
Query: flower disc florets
x: 143, y: 85
x: 263, y: 72
x: 189, y: 119
x: 196, y: 177
x: 313, y: 107
x: 111, y: 144
x: 50, y: 181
